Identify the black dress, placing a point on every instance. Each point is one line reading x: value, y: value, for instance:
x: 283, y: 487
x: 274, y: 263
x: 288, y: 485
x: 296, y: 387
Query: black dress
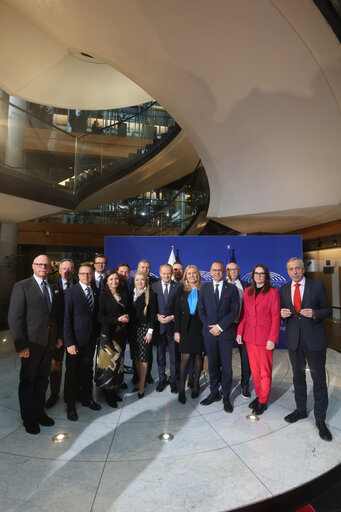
x: 189, y: 326
x: 139, y: 325
x: 110, y: 357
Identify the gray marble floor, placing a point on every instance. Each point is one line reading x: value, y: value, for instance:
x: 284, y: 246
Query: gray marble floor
x: 113, y: 459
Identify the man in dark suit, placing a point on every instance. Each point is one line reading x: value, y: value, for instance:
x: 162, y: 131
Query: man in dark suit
x: 218, y: 308
x: 80, y: 335
x: 100, y: 264
x: 166, y: 291
x: 32, y: 320
x: 66, y: 279
x: 232, y: 273
x: 304, y: 306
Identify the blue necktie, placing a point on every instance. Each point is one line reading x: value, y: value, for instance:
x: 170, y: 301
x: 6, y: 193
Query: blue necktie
x: 100, y: 282
x: 46, y: 295
x: 165, y: 294
x: 89, y: 298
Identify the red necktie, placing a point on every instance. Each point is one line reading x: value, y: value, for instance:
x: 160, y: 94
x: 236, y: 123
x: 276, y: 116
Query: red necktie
x: 297, y: 298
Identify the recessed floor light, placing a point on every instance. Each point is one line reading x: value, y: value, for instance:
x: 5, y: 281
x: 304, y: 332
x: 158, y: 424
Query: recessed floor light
x: 166, y: 437
x: 59, y: 438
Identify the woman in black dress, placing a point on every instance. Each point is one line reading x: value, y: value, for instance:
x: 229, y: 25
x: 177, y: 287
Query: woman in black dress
x: 143, y: 312
x: 187, y: 329
x: 113, y: 318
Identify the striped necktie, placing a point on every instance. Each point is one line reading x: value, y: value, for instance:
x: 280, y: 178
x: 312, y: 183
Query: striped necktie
x: 89, y: 298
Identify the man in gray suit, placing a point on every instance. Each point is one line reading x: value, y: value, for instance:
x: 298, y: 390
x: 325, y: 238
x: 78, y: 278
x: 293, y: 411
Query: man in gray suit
x: 32, y: 320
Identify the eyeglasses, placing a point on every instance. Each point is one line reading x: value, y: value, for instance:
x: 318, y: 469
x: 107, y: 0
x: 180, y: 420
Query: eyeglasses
x: 259, y: 274
x: 99, y: 263
x: 42, y: 265
x: 217, y: 270
x: 85, y: 273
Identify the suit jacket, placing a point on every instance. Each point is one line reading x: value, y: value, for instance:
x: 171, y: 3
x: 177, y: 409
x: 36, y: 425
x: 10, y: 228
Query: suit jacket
x: 136, y: 309
x: 31, y: 323
x: 181, y: 312
x: 224, y: 314
x: 80, y: 324
x: 109, y: 310
x: 60, y: 319
x: 162, y: 307
x: 261, y: 318
x: 310, y: 331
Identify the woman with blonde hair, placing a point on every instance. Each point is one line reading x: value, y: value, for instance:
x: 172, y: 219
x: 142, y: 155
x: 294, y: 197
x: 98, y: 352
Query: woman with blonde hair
x: 142, y: 310
x: 188, y: 329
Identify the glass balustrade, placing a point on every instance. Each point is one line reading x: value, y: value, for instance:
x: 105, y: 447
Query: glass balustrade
x: 136, y: 135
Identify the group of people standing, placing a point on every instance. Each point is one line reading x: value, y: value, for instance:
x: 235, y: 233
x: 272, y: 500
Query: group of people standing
x: 105, y: 309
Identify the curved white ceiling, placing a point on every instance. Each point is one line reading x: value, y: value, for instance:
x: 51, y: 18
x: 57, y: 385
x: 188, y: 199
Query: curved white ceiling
x: 256, y: 86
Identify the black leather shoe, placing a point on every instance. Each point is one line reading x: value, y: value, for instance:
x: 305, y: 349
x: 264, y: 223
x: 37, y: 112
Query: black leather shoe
x: 211, y: 399
x: 182, y: 397
x: 246, y: 392
x: 162, y: 385
x: 195, y: 393
x: 149, y: 379
x: 45, y: 420
x: 173, y: 387
x: 117, y: 397
x: 92, y: 405
x: 259, y: 409
x: 253, y: 403
x: 123, y: 386
x: 296, y: 416
x: 72, y: 413
x: 227, y: 405
x: 323, y: 431
x: 140, y: 395
x: 32, y: 428
x: 51, y: 401
x: 112, y: 403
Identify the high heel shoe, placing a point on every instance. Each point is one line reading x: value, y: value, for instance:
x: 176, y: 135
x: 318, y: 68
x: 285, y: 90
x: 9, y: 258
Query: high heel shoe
x: 195, y: 393
x: 140, y: 395
x: 182, y: 397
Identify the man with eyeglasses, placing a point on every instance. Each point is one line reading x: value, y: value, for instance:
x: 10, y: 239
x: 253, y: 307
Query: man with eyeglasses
x: 63, y: 282
x: 232, y: 273
x: 32, y: 319
x: 218, y: 308
x: 80, y: 335
x: 304, y: 306
x: 100, y: 264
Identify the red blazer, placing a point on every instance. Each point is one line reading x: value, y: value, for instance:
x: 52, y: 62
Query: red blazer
x: 260, y: 320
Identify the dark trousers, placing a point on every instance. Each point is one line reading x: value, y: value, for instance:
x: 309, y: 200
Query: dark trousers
x: 316, y: 360
x: 219, y: 351
x: 245, y: 366
x: 34, y: 379
x: 56, y: 369
x: 79, y: 370
x: 174, y: 357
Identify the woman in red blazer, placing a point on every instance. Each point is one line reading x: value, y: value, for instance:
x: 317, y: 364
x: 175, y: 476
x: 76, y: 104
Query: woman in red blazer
x: 259, y: 329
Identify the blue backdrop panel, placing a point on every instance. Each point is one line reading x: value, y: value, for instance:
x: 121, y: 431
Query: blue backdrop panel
x: 273, y: 251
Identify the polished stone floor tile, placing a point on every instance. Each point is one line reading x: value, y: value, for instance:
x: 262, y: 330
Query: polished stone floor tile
x: 291, y: 456
x: 206, y: 482
x: 235, y: 428
x: 87, y: 442
x: 134, y: 441
x: 155, y: 407
x: 38, y: 485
